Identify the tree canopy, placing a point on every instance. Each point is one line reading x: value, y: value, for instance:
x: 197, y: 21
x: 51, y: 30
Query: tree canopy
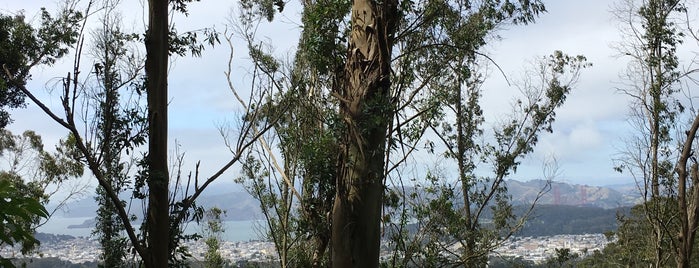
x: 23, y: 47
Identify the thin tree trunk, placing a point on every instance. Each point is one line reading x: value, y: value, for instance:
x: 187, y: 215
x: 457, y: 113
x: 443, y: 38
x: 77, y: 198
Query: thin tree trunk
x: 658, y: 243
x: 470, y: 244
x: 366, y: 109
x: 656, y: 84
x: 158, y: 236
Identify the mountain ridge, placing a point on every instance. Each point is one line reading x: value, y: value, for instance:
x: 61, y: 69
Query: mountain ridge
x: 239, y: 205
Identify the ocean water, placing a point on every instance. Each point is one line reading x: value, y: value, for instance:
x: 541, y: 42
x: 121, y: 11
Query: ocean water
x: 235, y: 231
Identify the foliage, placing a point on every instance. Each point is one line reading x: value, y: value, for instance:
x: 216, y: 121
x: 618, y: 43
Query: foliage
x: 510, y: 262
x: 41, y: 171
x: 429, y: 36
x: 295, y: 229
x: 658, y: 154
x: 633, y: 243
x: 451, y: 227
x: 118, y: 126
x: 562, y: 258
x: 23, y: 47
x: 17, y: 215
x: 212, y: 238
x: 32, y: 177
x: 261, y: 8
x: 296, y: 195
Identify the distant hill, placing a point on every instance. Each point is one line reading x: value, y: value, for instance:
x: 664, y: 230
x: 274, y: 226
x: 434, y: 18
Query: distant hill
x: 239, y: 205
x: 561, y: 193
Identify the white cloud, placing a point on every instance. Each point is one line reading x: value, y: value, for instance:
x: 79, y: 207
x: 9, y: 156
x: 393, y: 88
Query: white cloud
x: 569, y: 145
x: 585, y: 136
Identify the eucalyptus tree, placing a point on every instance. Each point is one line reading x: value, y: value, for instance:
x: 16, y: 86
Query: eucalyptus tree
x: 296, y: 191
x: 32, y: 175
x: 157, y: 178
x: 460, y: 220
x: 23, y: 47
x: 424, y: 36
x: 378, y: 84
x: 159, y: 243
x: 118, y: 124
x: 659, y: 155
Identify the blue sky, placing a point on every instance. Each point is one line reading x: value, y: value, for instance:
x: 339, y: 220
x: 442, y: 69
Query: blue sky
x: 587, y: 135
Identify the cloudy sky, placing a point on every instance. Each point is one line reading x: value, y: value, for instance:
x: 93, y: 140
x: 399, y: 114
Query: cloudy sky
x: 587, y: 135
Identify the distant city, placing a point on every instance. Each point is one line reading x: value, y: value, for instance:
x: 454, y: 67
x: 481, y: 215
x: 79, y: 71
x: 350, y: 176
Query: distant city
x: 557, y: 223
x: 81, y: 249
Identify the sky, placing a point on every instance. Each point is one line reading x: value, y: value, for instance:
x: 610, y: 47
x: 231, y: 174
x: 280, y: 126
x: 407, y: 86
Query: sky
x: 588, y: 132
x: 591, y: 125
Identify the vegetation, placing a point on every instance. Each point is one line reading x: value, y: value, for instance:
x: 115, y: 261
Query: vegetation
x: 548, y: 220
x: 17, y: 215
x: 370, y: 118
x: 33, y: 177
x: 23, y: 47
x: 659, y: 156
x: 453, y: 215
x: 212, y: 237
x: 325, y: 136
x: 119, y: 126
x: 98, y: 145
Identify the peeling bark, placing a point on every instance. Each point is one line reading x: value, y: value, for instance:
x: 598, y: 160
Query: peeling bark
x: 366, y: 108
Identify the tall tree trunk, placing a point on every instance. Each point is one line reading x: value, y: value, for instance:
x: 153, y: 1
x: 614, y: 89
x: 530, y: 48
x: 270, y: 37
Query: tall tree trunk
x: 688, y: 204
x: 156, y: 72
x: 366, y: 109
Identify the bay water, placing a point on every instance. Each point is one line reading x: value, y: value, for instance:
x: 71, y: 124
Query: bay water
x: 235, y: 231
